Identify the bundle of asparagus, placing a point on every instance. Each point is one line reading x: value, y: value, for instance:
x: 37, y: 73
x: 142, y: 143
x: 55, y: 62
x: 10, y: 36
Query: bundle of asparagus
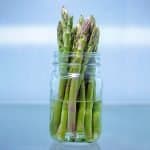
x: 76, y: 113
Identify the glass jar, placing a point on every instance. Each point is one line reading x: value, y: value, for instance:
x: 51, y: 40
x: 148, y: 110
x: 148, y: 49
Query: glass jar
x: 75, y: 97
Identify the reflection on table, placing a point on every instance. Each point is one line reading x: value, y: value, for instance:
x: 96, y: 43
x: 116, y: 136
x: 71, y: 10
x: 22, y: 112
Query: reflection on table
x: 74, y: 146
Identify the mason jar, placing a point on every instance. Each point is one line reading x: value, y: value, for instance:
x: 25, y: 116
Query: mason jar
x: 75, y: 97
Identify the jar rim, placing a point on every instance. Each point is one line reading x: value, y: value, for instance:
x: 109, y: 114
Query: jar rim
x: 61, y: 57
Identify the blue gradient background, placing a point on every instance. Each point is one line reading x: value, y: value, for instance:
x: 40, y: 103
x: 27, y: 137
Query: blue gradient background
x: 25, y: 70
x: 25, y: 74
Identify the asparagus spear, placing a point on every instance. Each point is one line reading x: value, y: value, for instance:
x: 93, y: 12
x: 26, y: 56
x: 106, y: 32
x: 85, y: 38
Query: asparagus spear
x: 81, y: 113
x: 78, y: 31
x: 55, y: 116
x: 93, y: 41
x: 60, y: 37
x: 96, y: 115
x: 97, y: 104
x: 91, y: 86
x: 64, y: 115
x: 96, y: 119
x: 88, y: 113
x: 64, y: 38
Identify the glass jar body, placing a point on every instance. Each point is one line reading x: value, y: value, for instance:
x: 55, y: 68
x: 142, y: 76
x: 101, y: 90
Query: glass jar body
x: 75, y: 97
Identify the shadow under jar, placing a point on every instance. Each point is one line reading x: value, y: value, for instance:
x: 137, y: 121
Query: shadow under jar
x: 75, y: 97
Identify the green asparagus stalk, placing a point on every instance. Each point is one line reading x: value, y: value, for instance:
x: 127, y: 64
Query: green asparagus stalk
x: 96, y: 115
x: 77, y: 35
x: 60, y: 37
x: 67, y: 36
x: 88, y: 113
x: 56, y: 106
x: 64, y: 115
x: 91, y: 86
x: 64, y: 38
x: 81, y: 113
x: 93, y: 41
x: 96, y: 119
x: 55, y: 116
x: 97, y: 104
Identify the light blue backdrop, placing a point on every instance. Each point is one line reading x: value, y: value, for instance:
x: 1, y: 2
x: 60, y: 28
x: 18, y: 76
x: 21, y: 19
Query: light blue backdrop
x: 25, y: 70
